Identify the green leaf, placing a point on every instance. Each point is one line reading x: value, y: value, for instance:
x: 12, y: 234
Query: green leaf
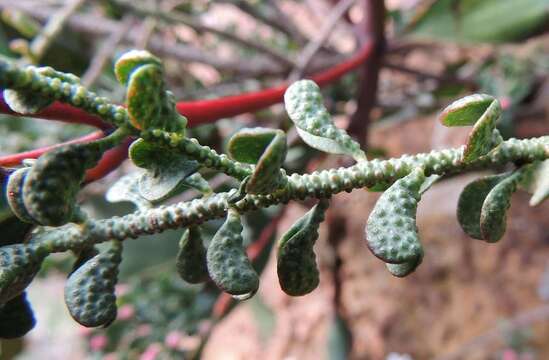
x: 191, y: 260
x: 471, y: 200
x: 249, y: 144
x: 166, y: 170
x: 405, y: 268
x: 150, y: 105
x: 126, y: 189
x: 296, y: 262
x: 19, y: 264
x: 493, y: 215
x: 536, y: 182
x: 305, y: 107
x: 481, y: 21
x: 228, y: 264
x: 481, y: 110
x: 14, y: 195
x: 197, y: 182
x: 132, y: 60
x: 391, y: 231
x: 16, y: 318
x: 89, y: 291
x: 466, y: 111
x: 266, y: 148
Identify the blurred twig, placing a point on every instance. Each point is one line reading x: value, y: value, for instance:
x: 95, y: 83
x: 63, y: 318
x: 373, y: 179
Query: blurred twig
x: 53, y: 27
x: 315, y: 45
x: 180, y: 18
x: 105, y: 52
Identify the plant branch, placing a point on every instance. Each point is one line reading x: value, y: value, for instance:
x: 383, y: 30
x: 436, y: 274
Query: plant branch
x: 318, y: 185
x: 15, y: 159
x: 198, y: 112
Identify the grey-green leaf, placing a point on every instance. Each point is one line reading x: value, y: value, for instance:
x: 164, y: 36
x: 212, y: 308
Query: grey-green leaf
x: 471, y: 200
x: 296, y: 261
x: 89, y: 291
x: 191, y: 260
x: 493, y: 215
x: 19, y: 264
x: 166, y: 170
x: 305, y: 108
x: 391, y: 231
x: 126, y: 189
x: 228, y: 264
x: 537, y: 182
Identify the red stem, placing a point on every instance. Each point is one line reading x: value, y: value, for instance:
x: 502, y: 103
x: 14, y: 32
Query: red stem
x: 207, y: 111
x: 60, y: 112
x: 15, y: 159
x: 198, y: 112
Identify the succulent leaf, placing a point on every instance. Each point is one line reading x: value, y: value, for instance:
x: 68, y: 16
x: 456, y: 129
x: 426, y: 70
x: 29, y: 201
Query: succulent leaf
x: 126, y: 189
x: 19, y: 264
x: 305, y: 107
x: 132, y: 60
x: 493, y: 215
x: 228, y: 264
x: 471, y: 200
x: 89, y: 291
x: 166, y: 170
x: 51, y: 185
x: 391, y: 231
x: 16, y: 317
x: 296, y: 261
x: 14, y: 194
x: 150, y: 105
x: 266, y: 148
x: 191, y: 260
x: 536, y: 182
x: 480, y: 110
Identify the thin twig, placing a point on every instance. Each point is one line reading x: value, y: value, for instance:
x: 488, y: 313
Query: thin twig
x: 256, y: 66
x: 53, y: 27
x: 427, y: 76
x: 180, y: 18
x: 314, y: 45
x: 105, y: 52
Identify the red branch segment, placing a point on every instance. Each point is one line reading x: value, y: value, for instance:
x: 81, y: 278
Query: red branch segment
x: 198, y: 113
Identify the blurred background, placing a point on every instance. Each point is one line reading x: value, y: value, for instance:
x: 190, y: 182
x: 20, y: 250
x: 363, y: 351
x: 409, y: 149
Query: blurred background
x: 468, y: 300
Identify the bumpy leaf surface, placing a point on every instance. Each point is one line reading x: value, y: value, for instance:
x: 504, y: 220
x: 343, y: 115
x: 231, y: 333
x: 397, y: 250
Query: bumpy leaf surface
x: 89, y: 291
x: 305, y: 107
x: 391, y: 231
x: 296, y: 262
x: 228, y: 265
x: 470, y: 203
x: 266, y: 148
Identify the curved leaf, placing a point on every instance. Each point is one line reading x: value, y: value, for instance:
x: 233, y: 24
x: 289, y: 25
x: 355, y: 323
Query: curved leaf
x: 228, y: 264
x: 304, y: 105
x: 191, y: 260
x: 391, y: 231
x: 296, y: 261
x: 89, y: 291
